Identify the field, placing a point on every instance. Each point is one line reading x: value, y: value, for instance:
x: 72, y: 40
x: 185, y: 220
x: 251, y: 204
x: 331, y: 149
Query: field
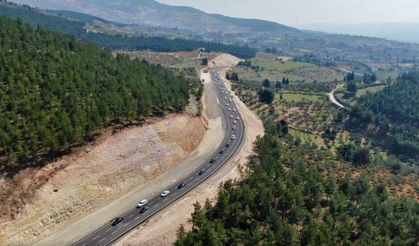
x: 299, y: 98
x: 361, y: 92
x: 273, y: 68
x: 372, y: 90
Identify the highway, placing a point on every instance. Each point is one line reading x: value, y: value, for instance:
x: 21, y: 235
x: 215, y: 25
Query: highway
x: 110, y: 233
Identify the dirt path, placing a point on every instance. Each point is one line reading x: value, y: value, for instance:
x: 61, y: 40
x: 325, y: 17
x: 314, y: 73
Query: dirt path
x: 162, y: 228
x: 333, y: 99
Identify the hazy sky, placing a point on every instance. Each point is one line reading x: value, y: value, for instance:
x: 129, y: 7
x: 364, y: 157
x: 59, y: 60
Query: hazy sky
x: 302, y: 12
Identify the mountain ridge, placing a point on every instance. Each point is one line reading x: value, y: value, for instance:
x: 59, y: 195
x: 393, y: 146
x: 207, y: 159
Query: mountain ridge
x: 150, y: 12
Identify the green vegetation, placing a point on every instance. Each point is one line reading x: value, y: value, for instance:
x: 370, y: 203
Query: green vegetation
x: 266, y: 96
x: 300, y: 98
x: 57, y: 92
x: 290, y: 196
x: 56, y: 23
x: 371, y: 90
x: 394, y: 113
x: 267, y: 67
x: 358, y: 156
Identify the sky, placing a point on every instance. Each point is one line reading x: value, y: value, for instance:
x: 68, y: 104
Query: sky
x: 301, y: 13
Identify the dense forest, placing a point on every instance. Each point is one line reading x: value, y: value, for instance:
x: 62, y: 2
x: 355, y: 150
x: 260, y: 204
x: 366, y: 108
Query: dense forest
x: 56, y: 92
x: 393, y: 116
x: 290, y: 195
x: 56, y: 23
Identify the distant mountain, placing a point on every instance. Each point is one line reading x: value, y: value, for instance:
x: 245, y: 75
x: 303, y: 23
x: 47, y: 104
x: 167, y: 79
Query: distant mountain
x: 153, y: 13
x: 109, y: 34
x: 404, y: 32
x: 151, y: 18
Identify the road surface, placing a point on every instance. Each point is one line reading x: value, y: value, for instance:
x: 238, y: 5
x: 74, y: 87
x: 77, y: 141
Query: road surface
x: 108, y: 233
x: 334, y: 101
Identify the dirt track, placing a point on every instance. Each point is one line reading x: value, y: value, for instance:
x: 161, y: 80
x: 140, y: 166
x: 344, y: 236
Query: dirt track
x: 162, y: 228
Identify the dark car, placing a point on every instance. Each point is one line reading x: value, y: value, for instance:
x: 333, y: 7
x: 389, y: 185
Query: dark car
x: 181, y: 185
x: 213, y: 160
x: 202, y: 172
x: 143, y: 209
x: 221, y: 152
x: 227, y: 145
x: 117, y: 220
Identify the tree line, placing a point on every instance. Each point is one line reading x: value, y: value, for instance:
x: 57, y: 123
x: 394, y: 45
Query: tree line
x: 57, y: 92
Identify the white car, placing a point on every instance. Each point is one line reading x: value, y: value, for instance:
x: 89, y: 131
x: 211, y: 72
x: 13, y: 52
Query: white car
x: 164, y: 193
x: 231, y: 116
x: 233, y: 137
x: 235, y: 122
x: 234, y: 127
x: 142, y: 203
x: 234, y: 110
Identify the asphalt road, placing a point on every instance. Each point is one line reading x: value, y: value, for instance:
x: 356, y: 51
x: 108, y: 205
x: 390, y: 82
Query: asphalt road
x: 108, y: 233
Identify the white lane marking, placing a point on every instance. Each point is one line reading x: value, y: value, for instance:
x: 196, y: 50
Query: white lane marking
x: 190, y: 178
x: 129, y: 216
x: 101, y: 240
x: 84, y: 244
x: 96, y: 237
x: 165, y: 199
x: 114, y: 232
x: 108, y: 229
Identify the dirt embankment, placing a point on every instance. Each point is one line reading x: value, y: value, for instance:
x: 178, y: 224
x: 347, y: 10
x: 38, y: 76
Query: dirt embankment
x: 52, y: 197
x: 162, y: 228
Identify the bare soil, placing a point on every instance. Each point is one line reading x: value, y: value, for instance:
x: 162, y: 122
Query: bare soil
x: 162, y: 228
x: 56, y: 195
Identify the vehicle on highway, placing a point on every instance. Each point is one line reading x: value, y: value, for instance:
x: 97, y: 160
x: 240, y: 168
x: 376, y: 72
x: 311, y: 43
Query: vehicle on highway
x: 221, y: 151
x: 235, y: 122
x: 142, y: 203
x: 233, y: 137
x: 234, y: 127
x: 181, y: 185
x: 238, y: 119
x: 117, y: 220
x: 229, y: 109
x: 164, y: 193
x: 227, y: 145
x: 202, y: 172
x: 143, y: 209
x: 234, y: 110
x: 231, y: 116
x: 213, y: 160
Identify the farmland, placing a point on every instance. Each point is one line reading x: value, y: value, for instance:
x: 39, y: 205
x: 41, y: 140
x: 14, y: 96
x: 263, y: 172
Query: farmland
x: 275, y: 69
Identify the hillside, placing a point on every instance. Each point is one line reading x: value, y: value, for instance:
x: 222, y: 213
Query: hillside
x: 153, y: 13
x: 391, y: 117
x: 78, y: 25
x: 353, y: 52
x: 58, y: 92
x: 294, y: 194
x: 403, y: 32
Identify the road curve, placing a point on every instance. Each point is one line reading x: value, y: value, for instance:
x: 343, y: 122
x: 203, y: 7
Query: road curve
x: 336, y: 102
x: 108, y: 233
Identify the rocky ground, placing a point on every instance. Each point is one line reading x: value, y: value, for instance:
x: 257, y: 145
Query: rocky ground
x: 91, y: 178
